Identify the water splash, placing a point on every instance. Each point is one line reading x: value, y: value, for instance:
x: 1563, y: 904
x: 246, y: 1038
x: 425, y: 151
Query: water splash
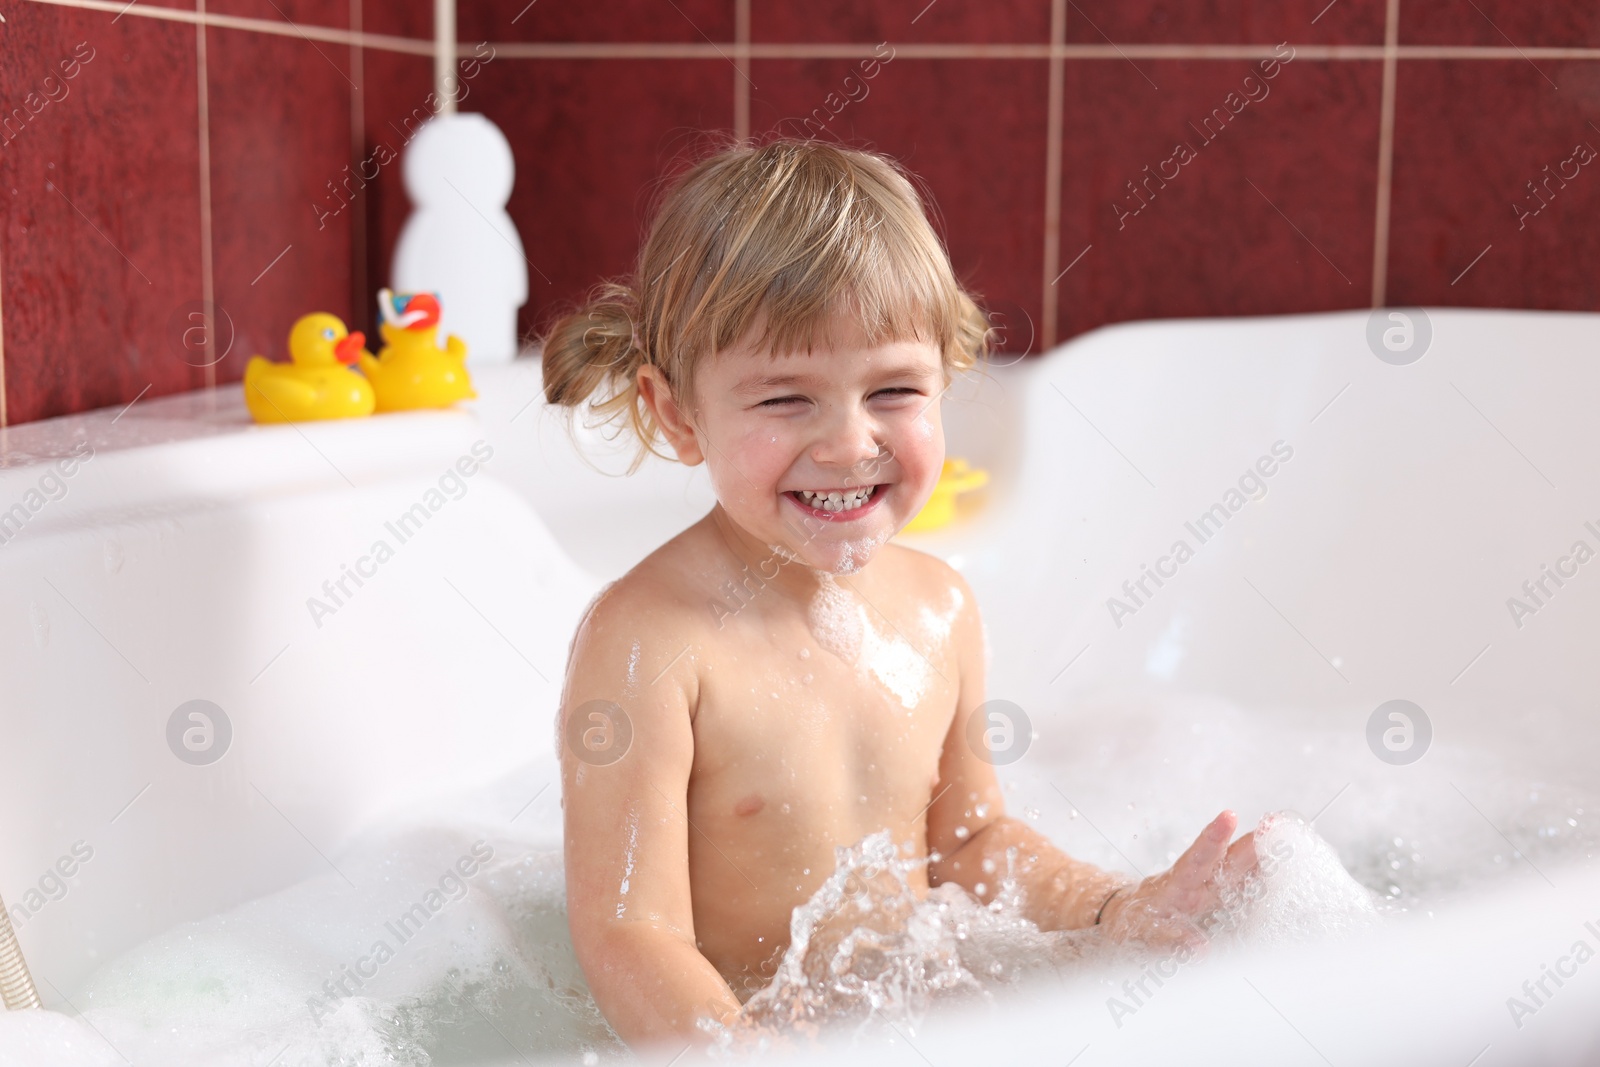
x: 866, y: 952
x: 865, y: 946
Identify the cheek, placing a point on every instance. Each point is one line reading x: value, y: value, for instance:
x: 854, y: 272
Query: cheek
x: 747, y: 464
x: 923, y: 451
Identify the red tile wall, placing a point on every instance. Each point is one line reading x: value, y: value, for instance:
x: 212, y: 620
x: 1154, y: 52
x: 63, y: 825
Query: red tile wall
x: 101, y: 238
x: 203, y: 151
x: 1271, y: 213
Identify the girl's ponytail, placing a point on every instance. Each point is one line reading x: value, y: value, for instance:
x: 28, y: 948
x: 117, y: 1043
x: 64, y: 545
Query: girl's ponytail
x: 592, y: 356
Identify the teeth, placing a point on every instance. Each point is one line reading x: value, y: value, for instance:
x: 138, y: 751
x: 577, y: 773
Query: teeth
x: 837, y: 499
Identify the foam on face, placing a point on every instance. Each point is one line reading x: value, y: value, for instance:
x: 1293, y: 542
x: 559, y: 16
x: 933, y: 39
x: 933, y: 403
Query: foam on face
x: 853, y: 555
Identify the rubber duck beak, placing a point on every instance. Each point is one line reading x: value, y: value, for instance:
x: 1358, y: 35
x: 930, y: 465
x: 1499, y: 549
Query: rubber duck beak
x: 348, y: 349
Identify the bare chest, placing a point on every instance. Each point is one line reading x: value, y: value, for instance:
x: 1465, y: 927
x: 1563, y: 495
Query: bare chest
x: 837, y: 720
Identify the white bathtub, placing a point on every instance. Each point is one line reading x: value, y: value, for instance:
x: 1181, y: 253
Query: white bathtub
x: 178, y: 561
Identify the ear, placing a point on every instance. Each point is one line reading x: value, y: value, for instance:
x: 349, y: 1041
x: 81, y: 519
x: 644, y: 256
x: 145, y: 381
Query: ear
x: 680, y: 433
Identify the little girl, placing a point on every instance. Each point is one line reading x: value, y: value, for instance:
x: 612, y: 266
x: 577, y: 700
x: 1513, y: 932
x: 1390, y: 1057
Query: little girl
x: 779, y: 680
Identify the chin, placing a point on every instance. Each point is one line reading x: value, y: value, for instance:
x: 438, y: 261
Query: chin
x: 846, y: 552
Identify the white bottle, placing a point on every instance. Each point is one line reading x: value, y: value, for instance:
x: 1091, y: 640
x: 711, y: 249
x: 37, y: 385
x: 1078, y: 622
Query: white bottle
x: 459, y: 241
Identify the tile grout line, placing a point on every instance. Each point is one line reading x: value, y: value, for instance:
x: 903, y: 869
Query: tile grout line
x: 445, y: 50
x: 741, y: 69
x: 1380, y: 234
x: 1054, y: 118
x: 358, y: 144
x: 581, y: 50
x: 375, y: 41
x: 208, y: 291
x: 1118, y: 53
x: 3, y: 422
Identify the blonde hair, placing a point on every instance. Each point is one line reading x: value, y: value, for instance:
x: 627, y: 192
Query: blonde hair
x: 792, y: 232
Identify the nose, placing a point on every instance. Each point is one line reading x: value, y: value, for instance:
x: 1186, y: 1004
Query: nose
x: 848, y: 440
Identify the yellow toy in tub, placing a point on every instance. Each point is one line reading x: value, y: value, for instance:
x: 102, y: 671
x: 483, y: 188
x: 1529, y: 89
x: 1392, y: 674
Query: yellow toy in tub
x: 317, y: 383
x: 412, y: 371
x: 955, y: 478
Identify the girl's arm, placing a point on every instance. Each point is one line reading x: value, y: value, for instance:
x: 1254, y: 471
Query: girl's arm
x: 971, y: 834
x: 626, y: 837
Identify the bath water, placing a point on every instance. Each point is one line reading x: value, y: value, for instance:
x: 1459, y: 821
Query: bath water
x: 441, y: 939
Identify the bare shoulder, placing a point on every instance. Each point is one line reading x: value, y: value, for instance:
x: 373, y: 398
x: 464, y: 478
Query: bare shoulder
x: 661, y: 602
x: 627, y: 668
x: 946, y: 609
x: 934, y: 579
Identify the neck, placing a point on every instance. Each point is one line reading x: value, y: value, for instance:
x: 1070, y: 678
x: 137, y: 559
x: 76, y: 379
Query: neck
x: 780, y: 567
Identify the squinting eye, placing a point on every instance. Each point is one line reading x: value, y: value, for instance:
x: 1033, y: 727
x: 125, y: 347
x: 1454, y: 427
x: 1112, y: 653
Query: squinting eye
x: 894, y: 392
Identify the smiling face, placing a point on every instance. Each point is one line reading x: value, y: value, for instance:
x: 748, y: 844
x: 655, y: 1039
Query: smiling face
x: 826, y: 453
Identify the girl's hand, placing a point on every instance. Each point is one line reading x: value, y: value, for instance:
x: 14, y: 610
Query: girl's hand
x: 1169, y: 909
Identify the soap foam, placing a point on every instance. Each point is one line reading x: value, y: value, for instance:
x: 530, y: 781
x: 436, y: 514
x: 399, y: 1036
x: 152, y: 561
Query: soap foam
x: 1302, y: 893
x: 936, y: 625
x: 853, y: 555
x: 234, y: 989
x: 294, y: 975
x: 836, y: 619
x: 50, y: 1039
x: 897, y: 666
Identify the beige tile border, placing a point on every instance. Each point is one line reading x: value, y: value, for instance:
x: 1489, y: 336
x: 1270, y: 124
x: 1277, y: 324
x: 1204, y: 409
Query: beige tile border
x: 741, y: 69
x: 1120, y: 53
x: 445, y: 50
x: 359, y: 267
x: 377, y: 41
x: 3, y: 422
x: 1055, y: 112
x: 1380, y: 227
x: 719, y: 50
x: 208, y: 286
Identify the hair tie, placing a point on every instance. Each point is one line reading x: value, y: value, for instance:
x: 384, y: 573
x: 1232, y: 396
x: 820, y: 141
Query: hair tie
x: 1102, y: 912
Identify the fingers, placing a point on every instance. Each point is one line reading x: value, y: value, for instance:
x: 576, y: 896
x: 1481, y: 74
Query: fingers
x: 1194, y: 867
x: 1242, y: 855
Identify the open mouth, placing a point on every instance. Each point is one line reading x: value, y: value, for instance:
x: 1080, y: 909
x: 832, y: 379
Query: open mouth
x: 837, y: 505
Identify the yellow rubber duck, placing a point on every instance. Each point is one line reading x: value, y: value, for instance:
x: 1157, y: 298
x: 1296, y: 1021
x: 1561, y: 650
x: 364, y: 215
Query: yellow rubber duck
x: 412, y: 371
x: 317, y: 383
x: 955, y: 478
